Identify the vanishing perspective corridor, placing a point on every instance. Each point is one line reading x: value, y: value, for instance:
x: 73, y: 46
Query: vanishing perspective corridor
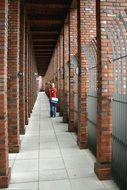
x: 73, y: 54
x: 50, y: 158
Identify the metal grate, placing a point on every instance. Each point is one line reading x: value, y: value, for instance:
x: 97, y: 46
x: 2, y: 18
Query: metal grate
x: 117, y: 34
x: 91, y: 55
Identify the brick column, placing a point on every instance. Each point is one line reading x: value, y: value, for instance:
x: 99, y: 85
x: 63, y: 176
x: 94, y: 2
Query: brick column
x: 22, y: 71
x: 26, y: 73
x: 86, y: 31
x: 66, y: 59
x: 32, y: 73
x: 13, y: 80
x: 106, y: 12
x: 34, y: 81
x: 4, y: 163
x: 61, y: 74
x: 29, y: 73
x: 56, y: 62
x: 58, y: 72
x: 31, y: 89
x: 73, y: 50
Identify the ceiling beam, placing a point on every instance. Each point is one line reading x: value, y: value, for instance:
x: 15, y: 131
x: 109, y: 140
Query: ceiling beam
x: 39, y: 52
x: 46, y: 59
x: 46, y: 15
x: 45, y: 28
x: 36, y: 53
x: 45, y: 22
x: 44, y: 40
x: 42, y: 56
x: 43, y: 50
x: 36, y: 36
x: 45, y: 32
x: 43, y: 6
x: 43, y: 45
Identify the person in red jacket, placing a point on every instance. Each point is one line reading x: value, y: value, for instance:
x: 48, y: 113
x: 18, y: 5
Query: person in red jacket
x: 52, y: 94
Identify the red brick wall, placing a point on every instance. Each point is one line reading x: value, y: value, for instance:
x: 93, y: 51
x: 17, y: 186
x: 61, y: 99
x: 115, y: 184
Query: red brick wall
x: 106, y: 12
x: 58, y: 71
x: 61, y: 72
x: 31, y: 85
x: 33, y: 88
x: 66, y: 74
x: 32, y: 70
x: 4, y: 163
x: 13, y: 80
x: 73, y: 48
x: 50, y: 72
x: 26, y: 72
x: 29, y: 76
x: 34, y: 85
x: 30, y: 94
x: 22, y: 70
x: 86, y: 31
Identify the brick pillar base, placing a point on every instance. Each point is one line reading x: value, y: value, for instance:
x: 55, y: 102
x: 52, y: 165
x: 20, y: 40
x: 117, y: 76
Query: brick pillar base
x: 61, y: 113
x: 103, y: 171
x: 14, y: 148
x: 4, y: 180
x: 26, y: 122
x: 82, y: 138
x: 65, y: 118
x: 82, y: 145
x: 23, y: 130
x: 71, y: 127
x: 58, y: 107
x: 61, y: 104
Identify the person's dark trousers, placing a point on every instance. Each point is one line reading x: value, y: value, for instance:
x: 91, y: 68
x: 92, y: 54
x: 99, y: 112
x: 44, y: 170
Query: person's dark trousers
x: 52, y: 109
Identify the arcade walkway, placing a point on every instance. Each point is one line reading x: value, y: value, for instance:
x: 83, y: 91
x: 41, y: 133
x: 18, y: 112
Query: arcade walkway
x: 50, y: 158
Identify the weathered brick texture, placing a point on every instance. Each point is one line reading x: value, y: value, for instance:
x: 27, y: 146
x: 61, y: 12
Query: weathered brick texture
x: 106, y: 12
x: 13, y: 80
x: 4, y: 163
x: 66, y: 74
x: 26, y: 72
x: 22, y: 71
x: 57, y: 55
x: 51, y: 74
x: 61, y: 73
x: 30, y: 84
x: 29, y: 75
x: 34, y: 84
x: 33, y: 79
x: 86, y: 31
x: 73, y: 48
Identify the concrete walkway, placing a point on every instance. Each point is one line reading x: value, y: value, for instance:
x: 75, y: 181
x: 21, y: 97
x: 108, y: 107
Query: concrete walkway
x: 50, y: 158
